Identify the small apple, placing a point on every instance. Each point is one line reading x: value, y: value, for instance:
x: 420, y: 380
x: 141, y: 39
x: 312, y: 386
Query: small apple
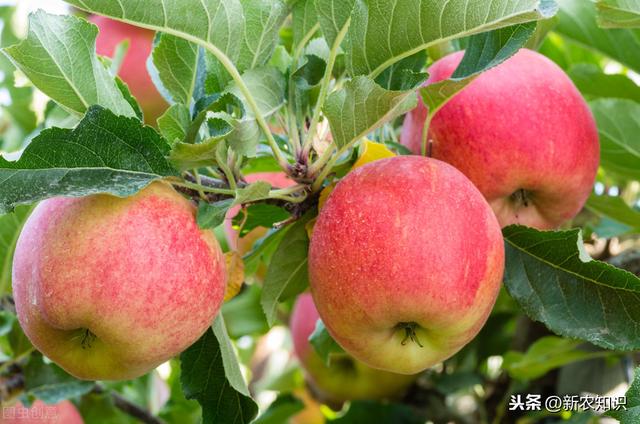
x: 40, y: 413
x: 345, y: 378
x: 405, y: 263
x: 521, y: 132
x: 109, y: 288
x: 134, y: 67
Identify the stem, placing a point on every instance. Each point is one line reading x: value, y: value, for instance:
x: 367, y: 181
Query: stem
x: 129, y: 407
x: 231, y: 179
x: 6, y: 365
x: 199, y: 182
x: 214, y: 173
x: 205, y: 189
x: 324, y: 88
x: 317, y: 185
x: 322, y: 160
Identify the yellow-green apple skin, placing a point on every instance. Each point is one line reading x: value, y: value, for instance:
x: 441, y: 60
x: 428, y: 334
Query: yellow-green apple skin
x: 405, y: 263
x: 133, y: 70
x: 521, y: 132
x: 345, y: 378
x: 40, y: 413
x: 109, y: 288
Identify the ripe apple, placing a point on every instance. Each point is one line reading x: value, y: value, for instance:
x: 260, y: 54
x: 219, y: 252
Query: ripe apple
x: 345, y: 378
x: 245, y: 244
x: 109, y: 288
x: 522, y: 133
x: 134, y: 67
x: 405, y: 263
x: 40, y: 413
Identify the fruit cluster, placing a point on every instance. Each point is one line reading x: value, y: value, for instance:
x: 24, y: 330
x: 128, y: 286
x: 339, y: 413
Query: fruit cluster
x: 405, y: 262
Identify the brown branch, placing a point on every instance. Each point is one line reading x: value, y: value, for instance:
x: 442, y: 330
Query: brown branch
x: 129, y: 407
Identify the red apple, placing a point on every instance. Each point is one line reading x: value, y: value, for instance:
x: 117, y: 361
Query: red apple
x: 109, y: 288
x: 134, y: 67
x: 345, y: 378
x: 40, y: 413
x: 522, y: 133
x: 405, y: 263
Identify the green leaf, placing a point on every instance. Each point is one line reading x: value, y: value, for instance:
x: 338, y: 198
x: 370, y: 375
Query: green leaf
x: 593, y: 83
x: 615, y: 209
x: 287, y: 273
x: 210, y: 215
x: 105, y: 153
x: 305, y: 18
x: 259, y: 215
x: 403, y: 28
x: 10, y: 228
x: 267, y: 86
x: 323, y: 343
x: 577, y: 22
x: 189, y: 156
x: 405, y: 74
x: 484, y: 52
x: 243, y: 314
x: 630, y: 414
x: 176, y: 61
x: 310, y: 73
x: 283, y: 408
x: 544, y: 355
x: 229, y: 357
x: 174, y: 123
x: 50, y: 383
x: 556, y: 282
x: 252, y: 193
x: 203, y: 378
x: 618, y: 13
x: 367, y: 411
x: 246, y: 32
x: 362, y: 106
x: 619, y: 126
x: 76, y: 80
x: 263, y: 251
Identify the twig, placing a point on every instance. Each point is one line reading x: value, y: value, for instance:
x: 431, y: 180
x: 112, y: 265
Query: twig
x: 129, y: 407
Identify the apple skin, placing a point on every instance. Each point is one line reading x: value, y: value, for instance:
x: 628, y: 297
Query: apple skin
x: 40, y: 413
x: 406, y: 243
x: 134, y: 66
x: 136, y: 272
x: 520, y: 126
x: 345, y: 378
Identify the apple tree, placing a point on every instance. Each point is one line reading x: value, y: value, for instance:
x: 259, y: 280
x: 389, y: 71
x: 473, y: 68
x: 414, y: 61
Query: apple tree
x: 313, y: 211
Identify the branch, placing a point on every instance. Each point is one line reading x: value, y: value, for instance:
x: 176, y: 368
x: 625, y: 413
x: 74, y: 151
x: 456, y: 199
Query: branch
x: 128, y: 407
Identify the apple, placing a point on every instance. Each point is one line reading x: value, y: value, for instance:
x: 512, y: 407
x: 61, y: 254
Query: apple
x: 522, y: 133
x: 245, y: 244
x: 134, y: 67
x: 109, y: 288
x: 345, y: 378
x: 405, y: 263
x: 40, y: 413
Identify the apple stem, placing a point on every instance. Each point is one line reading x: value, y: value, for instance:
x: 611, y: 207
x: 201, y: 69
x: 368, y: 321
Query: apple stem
x: 410, y: 333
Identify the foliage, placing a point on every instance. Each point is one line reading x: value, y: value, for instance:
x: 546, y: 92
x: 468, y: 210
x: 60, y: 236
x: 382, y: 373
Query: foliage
x: 312, y: 89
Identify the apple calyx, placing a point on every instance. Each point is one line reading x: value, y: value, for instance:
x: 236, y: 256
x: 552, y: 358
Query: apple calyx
x: 410, y: 333
x: 87, y: 338
x: 521, y: 197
